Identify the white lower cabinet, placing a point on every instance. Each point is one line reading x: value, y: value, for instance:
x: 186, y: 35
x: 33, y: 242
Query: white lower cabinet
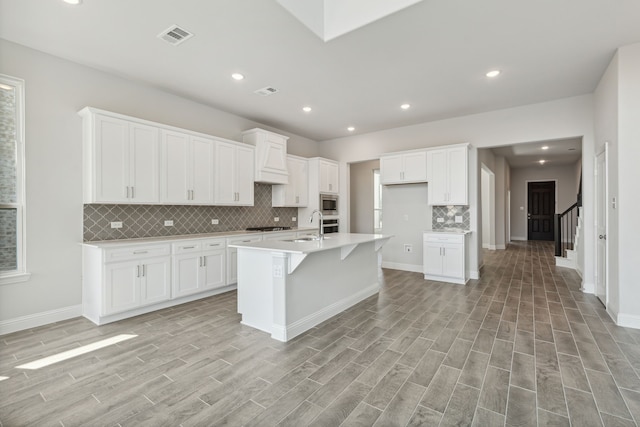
x: 198, y: 266
x: 135, y: 282
x: 444, y: 257
x: 232, y: 255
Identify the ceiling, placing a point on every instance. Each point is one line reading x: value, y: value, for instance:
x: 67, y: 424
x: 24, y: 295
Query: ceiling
x: 432, y: 55
x: 559, y: 152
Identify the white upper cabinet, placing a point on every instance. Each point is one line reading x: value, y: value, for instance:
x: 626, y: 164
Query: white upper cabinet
x: 404, y: 168
x: 328, y: 176
x: 448, y: 175
x: 296, y: 192
x: 270, y: 156
x: 187, y: 168
x: 233, y: 174
x: 120, y: 160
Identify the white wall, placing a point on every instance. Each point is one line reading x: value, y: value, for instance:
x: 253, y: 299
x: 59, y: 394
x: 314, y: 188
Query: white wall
x: 486, y: 200
x: 564, y: 118
x: 55, y: 90
x: 405, y: 215
x: 628, y: 179
x: 361, y: 200
x: 565, y: 193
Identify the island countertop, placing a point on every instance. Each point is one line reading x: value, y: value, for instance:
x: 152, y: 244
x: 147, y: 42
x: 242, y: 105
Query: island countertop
x: 331, y: 241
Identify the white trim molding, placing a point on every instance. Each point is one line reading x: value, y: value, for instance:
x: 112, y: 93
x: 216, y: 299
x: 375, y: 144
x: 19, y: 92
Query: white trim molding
x: 628, y: 320
x: 39, y: 319
x: 404, y: 267
x: 519, y: 238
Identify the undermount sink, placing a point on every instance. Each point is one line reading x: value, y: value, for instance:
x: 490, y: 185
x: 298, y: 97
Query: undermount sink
x: 305, y: 239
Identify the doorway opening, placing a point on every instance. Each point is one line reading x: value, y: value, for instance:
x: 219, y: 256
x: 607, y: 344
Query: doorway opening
x: 488, y: 204
x: 541, y: 208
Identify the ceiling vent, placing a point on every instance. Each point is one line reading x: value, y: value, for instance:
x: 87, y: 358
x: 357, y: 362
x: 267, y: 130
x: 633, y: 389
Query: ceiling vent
x: 266, y: 91
x: 175, y: 35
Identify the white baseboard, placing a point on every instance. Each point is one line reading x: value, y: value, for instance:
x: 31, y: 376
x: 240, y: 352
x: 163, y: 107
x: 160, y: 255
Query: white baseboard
x: 519, y: 238
x: 501, y: 247
x: 474, y: 274
x: 588, y: 287
x: 628, y: 320
x: 39, y: 319
x: 486, y: 246
x: 298, y: 327
x: 565, y: 262
x: 405, y: 267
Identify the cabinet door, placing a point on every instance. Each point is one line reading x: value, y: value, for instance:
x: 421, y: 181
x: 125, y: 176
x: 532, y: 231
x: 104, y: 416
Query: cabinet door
x: 232, y: 266
x: 457, y: 176
x: 175, y: 173
x: 437, y: 177
x: 415, y: 167
x: 213, y: 269
x: 122, y: 287
x: 302, y: 183
x: 391, y: 169
x: 144, y: 164
x: 224, y: 173
x: 328, y: 177
x: 453, y: 260
x: 156, y: 280
x: 202, y: 170
x: 244, y: 176
x: 111, y: 141
x: 432, y: 258
x: 186, y: 273
x: 273, y: 155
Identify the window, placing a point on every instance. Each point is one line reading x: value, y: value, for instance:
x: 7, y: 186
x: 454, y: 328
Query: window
x: 12, y: 248
x: 377, y: 202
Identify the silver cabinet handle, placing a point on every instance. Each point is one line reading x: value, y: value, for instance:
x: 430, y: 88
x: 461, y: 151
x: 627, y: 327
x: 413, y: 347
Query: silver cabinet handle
x: 188, y: 247
x: 144, y: 270
x: 140, y: 252
x: 204, y: 261
x: 133, y: 192
x: 199, y: 261
x: 137, y: 271
x: 127, y: 191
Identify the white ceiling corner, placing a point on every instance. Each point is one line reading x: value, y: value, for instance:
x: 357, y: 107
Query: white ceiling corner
x: 329, y: 19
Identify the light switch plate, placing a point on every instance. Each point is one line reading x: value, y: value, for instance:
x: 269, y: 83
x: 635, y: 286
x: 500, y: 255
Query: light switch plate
x: 116, y: 224
x: 294, y: 219
x: 168, y: 223
x: 440, y: 220
x: 276, y: 219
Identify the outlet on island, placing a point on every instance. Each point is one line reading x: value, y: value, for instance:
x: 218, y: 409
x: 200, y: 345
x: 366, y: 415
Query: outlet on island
x: 215, y: 221
x: 408, y: 248
x: 116, y: 224
x: 276, y: 219
x: 168, y: 223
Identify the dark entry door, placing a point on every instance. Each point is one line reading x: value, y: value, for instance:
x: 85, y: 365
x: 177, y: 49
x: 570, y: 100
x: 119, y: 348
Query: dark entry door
x: 542, y: 207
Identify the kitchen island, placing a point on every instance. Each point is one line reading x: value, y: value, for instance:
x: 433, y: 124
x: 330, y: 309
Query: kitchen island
x: 287, y: 287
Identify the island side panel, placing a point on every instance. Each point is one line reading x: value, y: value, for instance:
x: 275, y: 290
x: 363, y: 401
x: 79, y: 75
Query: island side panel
x: 325, y: 285
x: 255, y: 289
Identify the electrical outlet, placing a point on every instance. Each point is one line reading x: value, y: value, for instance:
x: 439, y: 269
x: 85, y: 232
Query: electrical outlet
x: 276, y: 219
x: 294, y: 219
x: 116, y: 224
x: 215, y: 221
x: 440, y: 220
x: 168, y: 223
x: 459, y: 219
x: 408, y: 248
x: 277, y: 271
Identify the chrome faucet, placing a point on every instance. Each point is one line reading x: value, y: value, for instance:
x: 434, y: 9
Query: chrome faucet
x: 320, y: 220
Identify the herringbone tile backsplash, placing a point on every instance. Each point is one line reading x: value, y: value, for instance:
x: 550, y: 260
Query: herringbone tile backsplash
x: 148, y: 220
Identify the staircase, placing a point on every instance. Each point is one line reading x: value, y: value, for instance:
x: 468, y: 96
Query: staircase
x: 571, y: 252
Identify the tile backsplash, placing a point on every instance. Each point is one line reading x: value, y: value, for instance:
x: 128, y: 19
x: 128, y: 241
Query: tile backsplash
x: 148, y: 220
x: 449, y: 213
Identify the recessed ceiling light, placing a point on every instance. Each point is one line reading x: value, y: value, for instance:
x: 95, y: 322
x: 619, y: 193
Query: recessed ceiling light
x: 306, y: 109
x: 351, y: 128
x: 73, y: 2
x: 405, y: 106
x: 541, y: 162
x: 237, y: 76
x: 546, y: 147
x: 493, y: 73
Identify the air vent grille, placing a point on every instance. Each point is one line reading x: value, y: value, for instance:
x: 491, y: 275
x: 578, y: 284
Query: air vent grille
x: 266, y: 91
x: 175, y: 35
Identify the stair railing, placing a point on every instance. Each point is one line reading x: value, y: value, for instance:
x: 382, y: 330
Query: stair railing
x: 565, y: 226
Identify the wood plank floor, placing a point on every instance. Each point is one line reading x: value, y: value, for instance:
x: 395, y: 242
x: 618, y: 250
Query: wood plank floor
x: 520, y: 347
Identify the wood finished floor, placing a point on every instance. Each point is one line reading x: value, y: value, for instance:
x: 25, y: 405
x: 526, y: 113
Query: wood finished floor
x: 522, y: 346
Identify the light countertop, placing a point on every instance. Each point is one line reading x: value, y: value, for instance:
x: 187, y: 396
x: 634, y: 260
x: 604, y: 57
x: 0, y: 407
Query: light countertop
x: 170, y: 239
x: 331, y: 241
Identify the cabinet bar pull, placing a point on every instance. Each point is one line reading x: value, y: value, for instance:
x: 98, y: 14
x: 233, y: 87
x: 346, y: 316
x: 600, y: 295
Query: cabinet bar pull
x: 144, y: 270
x: 140, y: 252
x: 133, y: 192
x: 199, y: 261
x: 204, y: 261
x: 188, y: 247
x: 137, y: 271
x: 127, y: 191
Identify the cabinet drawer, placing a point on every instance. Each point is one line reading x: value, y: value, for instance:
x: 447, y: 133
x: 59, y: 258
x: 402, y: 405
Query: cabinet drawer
x: 187, y: 247
x: 209, y: 245
x: 443, y: 238
x: 244, y: 239
x: 134, y: 252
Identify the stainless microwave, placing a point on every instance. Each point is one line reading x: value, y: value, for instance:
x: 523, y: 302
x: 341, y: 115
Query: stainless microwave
x: 329, y: 204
